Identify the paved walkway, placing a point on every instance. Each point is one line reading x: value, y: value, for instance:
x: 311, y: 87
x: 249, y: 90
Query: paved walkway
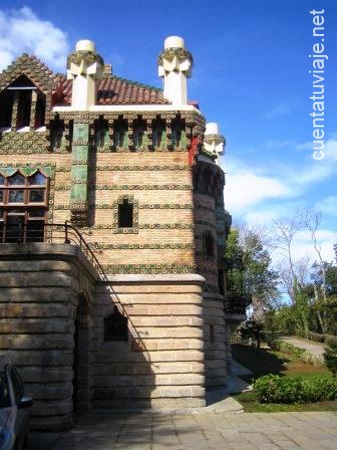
x: 225, y: 431
x: 213, y: 427
x: 316, y: 348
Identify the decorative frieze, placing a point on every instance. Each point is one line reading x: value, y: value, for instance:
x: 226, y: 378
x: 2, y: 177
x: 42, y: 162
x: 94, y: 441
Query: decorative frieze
x: 98, y: 246
x: 79, y: 181
x: 140, y: 206
x: 29, y: 168
x: 140, y: 168
x: 62, y: 187
x: 167, y: 226
x: 133, y: 187
x: 166, y: 206
x: 147, y: 226
x: 147, y: 268
x: 63, y: 169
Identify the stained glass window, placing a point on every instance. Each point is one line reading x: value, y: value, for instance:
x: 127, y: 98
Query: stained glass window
x: 16, y: 196
x: 16, y: 179
x: 36, y: 196
x: 23, y: 207
x: 38, y: 179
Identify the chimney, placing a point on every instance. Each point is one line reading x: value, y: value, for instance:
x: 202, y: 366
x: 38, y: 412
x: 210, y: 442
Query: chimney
x: 84, y: 68
x: 175, y: 65
x: 107, y: 70
x: 214, y: 142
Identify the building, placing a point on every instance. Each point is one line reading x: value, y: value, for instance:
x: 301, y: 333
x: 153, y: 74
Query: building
x: 112, y: 231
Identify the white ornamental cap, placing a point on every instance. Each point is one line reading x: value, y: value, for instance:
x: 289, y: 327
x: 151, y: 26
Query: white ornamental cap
x: 212, y: 128
x: 86, y: 45
x: 174, y: 42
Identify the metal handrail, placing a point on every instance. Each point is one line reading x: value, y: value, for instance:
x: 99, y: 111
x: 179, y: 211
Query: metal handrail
x: 66, y: 233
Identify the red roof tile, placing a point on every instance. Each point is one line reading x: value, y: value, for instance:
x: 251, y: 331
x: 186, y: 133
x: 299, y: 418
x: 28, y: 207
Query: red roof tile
x: 112, y: 91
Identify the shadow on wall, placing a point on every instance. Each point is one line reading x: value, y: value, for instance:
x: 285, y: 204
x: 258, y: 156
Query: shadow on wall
x: 122, y: 376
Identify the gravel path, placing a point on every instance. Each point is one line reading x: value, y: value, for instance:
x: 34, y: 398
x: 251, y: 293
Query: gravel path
x: 316, y: 348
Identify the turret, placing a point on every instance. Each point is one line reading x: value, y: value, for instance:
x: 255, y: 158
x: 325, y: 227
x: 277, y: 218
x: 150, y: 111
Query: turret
x: 175, y: 65
x: 214, y: 142
x: 84, y: 68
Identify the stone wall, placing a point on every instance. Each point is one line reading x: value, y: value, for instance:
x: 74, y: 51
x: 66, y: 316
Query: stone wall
x: 215, y: 337
x: 41, y: 286
x: 52, y: 329
x: 162, y: 364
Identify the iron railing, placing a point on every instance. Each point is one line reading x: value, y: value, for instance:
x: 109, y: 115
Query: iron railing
x: 55, y: 233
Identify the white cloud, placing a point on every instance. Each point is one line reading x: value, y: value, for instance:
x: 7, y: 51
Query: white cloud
x: 330, y: 148
x: 22, y: 31
x: 245, y: 188
x: 328, y: 205
x: 250, y: 189
x: 303, y: 245
x: 303, y: 248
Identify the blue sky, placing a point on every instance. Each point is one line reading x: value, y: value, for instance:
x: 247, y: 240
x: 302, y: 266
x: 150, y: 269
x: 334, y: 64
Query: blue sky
x: 251, y: 75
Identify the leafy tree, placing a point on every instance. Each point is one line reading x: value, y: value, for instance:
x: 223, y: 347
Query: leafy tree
x: 310, y: 287
x: 250, y: 280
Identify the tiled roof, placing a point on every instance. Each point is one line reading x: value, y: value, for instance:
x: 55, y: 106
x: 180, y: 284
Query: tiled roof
x: 112, y: 91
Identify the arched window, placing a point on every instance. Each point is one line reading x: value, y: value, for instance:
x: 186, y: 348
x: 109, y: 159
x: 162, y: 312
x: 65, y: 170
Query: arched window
x: 116, y: 327
x: 23, y: 207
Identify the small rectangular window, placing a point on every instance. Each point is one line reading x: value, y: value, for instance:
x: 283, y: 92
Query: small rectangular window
x: 25, y: 102
x: 6, y: 108
x: 125, y: 215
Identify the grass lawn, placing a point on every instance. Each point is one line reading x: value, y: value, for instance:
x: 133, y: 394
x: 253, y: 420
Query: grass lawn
x: 265, y: 361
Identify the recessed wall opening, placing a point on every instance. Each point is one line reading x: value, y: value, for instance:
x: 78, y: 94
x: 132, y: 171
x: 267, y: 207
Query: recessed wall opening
x: 125, y: 214
x: 221, y: 282
x: 6, y: 108
x: 208, y: 244
x: 22, y: 105
x: 116, y: 327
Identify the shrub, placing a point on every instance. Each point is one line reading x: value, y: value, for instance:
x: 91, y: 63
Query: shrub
x: 277, y: 389
x: 300, y: 353
x: 330, y: 356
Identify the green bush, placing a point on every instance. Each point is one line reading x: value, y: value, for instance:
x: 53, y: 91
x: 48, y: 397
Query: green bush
x: 300, y: 353
x: 330, y: 356
x: 277, y: 389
